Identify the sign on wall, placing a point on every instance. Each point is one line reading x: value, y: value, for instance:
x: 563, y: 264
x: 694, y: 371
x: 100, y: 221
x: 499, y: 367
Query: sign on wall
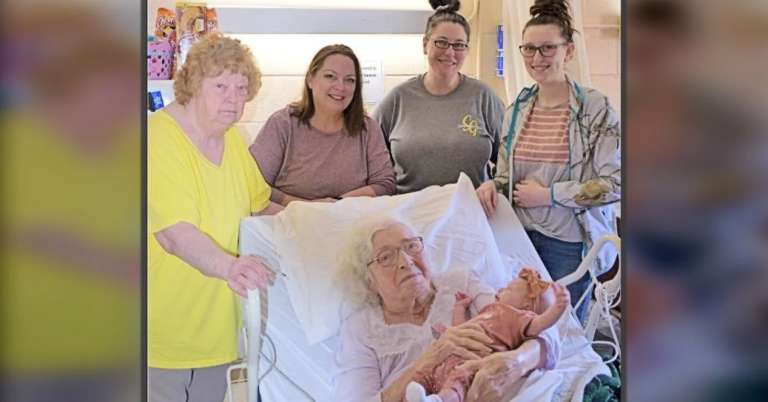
x: 373, y: 81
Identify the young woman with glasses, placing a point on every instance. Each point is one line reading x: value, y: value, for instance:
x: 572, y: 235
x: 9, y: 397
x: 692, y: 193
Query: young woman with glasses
x: 560, y: 155
x: 442, y: 123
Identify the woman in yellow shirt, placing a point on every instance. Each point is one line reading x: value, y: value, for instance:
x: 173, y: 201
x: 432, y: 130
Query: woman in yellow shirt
x: 202, y: 183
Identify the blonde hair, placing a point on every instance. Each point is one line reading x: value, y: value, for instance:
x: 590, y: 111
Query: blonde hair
x: 214, y: 55
x: 353, y: 275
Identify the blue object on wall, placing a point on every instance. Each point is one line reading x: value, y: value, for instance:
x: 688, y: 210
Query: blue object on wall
x: 155, y: 101
x: 500, y: 51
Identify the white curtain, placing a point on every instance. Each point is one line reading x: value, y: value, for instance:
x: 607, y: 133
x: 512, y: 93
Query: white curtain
x: 516, y: 14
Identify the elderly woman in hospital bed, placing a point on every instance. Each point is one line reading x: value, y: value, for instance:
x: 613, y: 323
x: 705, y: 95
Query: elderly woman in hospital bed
x: 402, y: 324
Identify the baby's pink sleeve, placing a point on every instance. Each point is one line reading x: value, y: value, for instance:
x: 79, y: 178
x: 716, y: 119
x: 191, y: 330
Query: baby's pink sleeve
x: 512, y: 325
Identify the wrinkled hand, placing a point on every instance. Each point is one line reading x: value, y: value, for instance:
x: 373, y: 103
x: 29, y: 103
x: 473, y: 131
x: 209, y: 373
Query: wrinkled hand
x: 463, y: 300
x: 488, y: 196
x: 495, y: 376
x: 461, y: 340
x: 247, y: 272
x: 529, y: 194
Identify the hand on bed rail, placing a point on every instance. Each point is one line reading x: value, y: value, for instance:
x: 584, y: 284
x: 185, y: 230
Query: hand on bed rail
x: 488, y: 196
x: 272, y: 271
x: 249, y: 272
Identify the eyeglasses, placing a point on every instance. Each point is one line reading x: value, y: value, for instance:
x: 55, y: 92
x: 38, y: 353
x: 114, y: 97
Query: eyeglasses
x: 444, y: 44
x: 545, y: 50
x: 391, y: 255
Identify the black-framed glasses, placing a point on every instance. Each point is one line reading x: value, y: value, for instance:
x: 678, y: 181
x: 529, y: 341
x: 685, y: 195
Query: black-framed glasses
x: 389, y: 256
x: 444, y: 44
x: 547, y: 50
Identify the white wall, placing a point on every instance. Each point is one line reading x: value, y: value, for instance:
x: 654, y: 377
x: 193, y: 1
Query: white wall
x: 603, y: 37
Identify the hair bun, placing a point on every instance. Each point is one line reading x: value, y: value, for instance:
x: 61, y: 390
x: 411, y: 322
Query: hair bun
x: 555, y: 8
x: 450, y: 6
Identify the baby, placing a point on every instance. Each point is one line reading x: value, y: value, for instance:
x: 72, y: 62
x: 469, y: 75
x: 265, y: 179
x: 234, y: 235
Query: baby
x: 510, y: 321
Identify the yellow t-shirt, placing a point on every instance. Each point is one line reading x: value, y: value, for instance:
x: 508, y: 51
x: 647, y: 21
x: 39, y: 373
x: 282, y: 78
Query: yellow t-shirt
x: 65, y: 312
x: 193, y: 319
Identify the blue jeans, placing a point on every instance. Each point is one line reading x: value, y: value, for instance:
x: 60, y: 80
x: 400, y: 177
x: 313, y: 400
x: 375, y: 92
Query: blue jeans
x: 561, y: 259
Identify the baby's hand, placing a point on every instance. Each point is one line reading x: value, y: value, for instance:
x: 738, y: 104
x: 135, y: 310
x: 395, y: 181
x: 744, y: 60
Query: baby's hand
x: 463, y: 300
x: 562, y: 296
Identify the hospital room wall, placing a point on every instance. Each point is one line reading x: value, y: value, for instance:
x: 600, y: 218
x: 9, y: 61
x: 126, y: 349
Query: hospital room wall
x: 402, y: 57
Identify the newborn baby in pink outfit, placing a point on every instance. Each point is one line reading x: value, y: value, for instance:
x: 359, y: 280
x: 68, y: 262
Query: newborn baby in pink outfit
x: 510, y: 321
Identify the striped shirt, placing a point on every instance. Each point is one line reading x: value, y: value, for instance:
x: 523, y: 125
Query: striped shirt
x: 544, y: 137
x: 542, y: 153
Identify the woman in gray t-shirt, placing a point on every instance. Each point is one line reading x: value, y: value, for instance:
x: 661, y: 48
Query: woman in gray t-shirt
x: 442, y: 123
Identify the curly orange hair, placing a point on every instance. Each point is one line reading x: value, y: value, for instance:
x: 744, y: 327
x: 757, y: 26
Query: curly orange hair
x: 212, y: 56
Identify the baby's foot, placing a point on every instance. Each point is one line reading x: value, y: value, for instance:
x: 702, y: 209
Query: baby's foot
x: 415, y: 393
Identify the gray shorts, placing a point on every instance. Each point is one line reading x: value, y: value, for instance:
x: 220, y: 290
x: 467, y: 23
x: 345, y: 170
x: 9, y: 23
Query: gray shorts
x: 208, y: 384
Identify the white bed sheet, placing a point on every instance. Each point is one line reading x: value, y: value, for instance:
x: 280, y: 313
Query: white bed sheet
x: 301, y: 371
x: 304, y: 365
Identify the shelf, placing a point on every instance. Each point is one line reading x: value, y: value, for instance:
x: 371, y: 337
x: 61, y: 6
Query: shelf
x: 157, y: 83
x: 272, y: 20
x: 604, y: 26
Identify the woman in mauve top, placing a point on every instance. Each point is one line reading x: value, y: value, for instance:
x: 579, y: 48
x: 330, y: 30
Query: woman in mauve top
x: 324, y: 147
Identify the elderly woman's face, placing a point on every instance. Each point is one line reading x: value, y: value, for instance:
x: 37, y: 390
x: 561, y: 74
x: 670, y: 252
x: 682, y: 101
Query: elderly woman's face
x: 403, y: 275
x: 223, y: 97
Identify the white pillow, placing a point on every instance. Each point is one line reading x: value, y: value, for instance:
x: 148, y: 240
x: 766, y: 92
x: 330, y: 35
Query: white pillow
x: 309, y: 237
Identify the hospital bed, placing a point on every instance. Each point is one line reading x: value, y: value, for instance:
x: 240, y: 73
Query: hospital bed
x: 287, y: 368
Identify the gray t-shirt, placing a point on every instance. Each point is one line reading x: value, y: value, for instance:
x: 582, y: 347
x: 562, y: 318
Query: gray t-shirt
x: 434, y: 138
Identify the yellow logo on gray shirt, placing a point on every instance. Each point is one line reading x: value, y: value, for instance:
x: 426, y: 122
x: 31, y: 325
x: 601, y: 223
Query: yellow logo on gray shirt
x: 469, y: 124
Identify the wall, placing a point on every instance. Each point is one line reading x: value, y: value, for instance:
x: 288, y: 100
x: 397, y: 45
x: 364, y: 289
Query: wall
x: 402, y: 55
x: 601, y: 27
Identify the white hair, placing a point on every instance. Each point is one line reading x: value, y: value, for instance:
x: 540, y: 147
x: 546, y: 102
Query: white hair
x: 353, y: 275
